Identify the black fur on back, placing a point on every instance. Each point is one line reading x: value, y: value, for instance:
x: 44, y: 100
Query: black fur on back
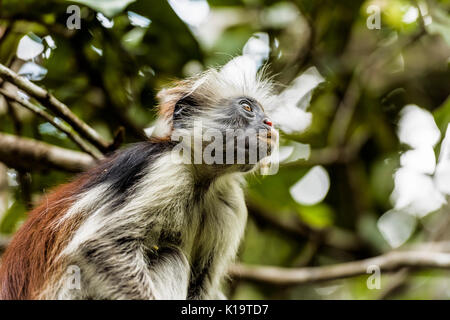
x: 125, y: 168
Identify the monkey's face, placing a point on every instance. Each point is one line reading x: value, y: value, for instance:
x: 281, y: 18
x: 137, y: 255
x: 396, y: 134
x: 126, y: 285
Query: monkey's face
x: 252, y: 128
x: 234, y: 132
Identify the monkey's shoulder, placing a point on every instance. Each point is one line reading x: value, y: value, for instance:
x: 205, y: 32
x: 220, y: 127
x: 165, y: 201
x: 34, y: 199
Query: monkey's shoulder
x: 125, y: 168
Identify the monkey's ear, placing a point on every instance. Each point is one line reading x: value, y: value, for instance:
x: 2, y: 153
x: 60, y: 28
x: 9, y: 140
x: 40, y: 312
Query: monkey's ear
x: 184, y: 108
x: 170, y: 97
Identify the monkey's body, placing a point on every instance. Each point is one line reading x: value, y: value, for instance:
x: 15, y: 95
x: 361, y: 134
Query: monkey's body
x: 144, y: 224
x: 122, y: 247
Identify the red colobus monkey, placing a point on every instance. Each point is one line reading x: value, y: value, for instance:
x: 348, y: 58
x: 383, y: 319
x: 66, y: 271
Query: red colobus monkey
x: 141, y: 225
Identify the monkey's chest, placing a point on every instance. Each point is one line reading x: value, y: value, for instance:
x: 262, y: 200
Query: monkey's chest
x: 217, y: 228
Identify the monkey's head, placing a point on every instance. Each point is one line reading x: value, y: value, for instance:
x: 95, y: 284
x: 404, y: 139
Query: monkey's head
x: 224, y: 108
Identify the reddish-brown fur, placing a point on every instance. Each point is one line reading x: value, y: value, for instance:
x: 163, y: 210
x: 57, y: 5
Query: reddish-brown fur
x: 168, y: 97
x: 26, y: 263
x: 29, y: 260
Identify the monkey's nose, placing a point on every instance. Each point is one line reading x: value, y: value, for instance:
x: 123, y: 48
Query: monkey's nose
x: 268, y: 122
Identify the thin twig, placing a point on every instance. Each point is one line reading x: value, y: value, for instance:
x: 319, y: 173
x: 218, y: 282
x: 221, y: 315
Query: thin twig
x: 6, y: 31
x: 35, y: 109
x: 56, y: 106
x: 24, y: 177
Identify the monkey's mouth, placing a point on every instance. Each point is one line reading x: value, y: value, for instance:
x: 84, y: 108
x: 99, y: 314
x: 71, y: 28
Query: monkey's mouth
x: 270, y: 138
x: 250, y: 147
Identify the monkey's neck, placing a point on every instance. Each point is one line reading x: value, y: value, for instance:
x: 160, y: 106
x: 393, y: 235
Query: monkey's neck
x: 205, y: 174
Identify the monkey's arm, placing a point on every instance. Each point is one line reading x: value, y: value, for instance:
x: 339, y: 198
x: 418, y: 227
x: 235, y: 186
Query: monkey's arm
x: 169, y: 271
x: 130, y: 271
x: 201, y: 288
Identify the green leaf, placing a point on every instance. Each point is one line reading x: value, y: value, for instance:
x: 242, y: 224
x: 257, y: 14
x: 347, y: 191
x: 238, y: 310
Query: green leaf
x: 442, y: 115
x: 318, y: 216
x: 15, y: 214
x: 133, y: 37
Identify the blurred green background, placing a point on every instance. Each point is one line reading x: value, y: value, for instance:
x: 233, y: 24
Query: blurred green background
x: 110, y: 70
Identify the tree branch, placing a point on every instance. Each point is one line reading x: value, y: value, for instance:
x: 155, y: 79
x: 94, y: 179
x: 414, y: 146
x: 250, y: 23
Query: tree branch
x: 387, y: 262
x: 35, y: 109
x: 56, y: 106
x: 24, y: 153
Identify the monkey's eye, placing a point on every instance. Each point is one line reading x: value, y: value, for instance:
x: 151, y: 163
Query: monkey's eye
x: 246, y: 106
